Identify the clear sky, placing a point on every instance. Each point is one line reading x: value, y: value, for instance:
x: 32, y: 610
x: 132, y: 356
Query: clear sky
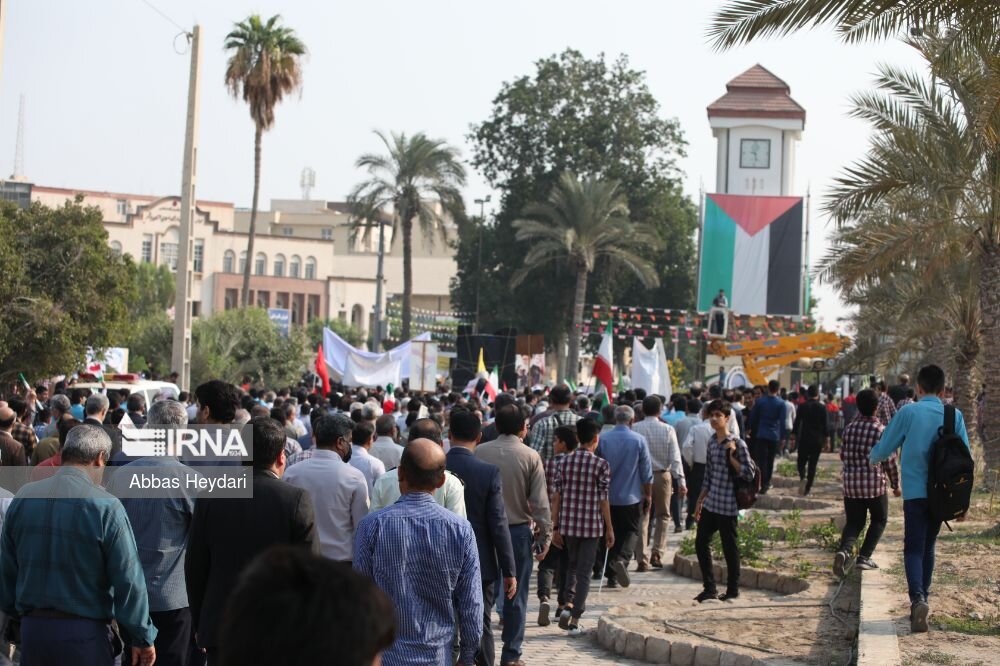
x: 106, y: 92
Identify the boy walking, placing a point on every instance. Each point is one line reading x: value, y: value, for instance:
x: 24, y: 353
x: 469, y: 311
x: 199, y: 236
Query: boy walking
x: 864, y: 486
x: 918, y: 425
x: 716, y: 511
x: 581, y: 515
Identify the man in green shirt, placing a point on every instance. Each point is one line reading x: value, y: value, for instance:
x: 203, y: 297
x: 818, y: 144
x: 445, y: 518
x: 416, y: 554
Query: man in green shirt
x: 68, y: 564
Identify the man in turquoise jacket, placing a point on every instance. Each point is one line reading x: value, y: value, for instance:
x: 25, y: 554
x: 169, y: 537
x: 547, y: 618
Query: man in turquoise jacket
x: 915, y: 428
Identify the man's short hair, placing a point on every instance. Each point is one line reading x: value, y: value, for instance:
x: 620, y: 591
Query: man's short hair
x: 18, y: 404
x: 370, y: 411
x: 812, y: 391
x: 222, y: 400
x: 867, y: 402
x: 904, y: 378
x: 362, y: 433
x: 624, y: 414
x: 608, y: 414
x: 587, y: 429
x: 425, y: 428
x: 417, y: 477
x: 720, y: 406
x: 773, y: 386
x: 136, y: 402
x: 465, y: 426
x: 268, y: 441
x: 60, y: 403
x: 85, y: 444
x: 567, y: 435
x: 693, y: 406
x: 166, y: 412
x: 930, y: 379
x: 651, y: 405
x: 385, y: 425
x: 328, y: 428
x: 263, y: 621
x: 96, y: 404
x: 510, y: 420
x: 503, y: 399
x: 560, y: 395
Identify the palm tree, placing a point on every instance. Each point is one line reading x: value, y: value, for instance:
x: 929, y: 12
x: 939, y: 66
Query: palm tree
x: 420, y: 179
x: 264, y: 65
x: 582, y: 221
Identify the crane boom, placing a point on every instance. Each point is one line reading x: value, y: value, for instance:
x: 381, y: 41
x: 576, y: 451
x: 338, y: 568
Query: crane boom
x: 762, y: 357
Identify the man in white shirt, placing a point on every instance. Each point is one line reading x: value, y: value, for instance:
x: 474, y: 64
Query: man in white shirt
x: 370, y: 466
x: 385, y: 447
x: 338, y: 491
x: 451, y: 495
x: 789, y: 421
x: 694, y: 450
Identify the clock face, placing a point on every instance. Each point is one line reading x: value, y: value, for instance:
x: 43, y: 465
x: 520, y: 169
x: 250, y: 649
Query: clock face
x: 755, y: 153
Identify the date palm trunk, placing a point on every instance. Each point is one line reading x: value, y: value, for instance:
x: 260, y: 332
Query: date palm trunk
x: 245, y: 292
x: 573, y: 355
x: 407, y: 273
x: 989, y: 304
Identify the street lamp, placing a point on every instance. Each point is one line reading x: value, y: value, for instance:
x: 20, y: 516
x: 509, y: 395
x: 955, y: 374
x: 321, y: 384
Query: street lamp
x: 479, y: 250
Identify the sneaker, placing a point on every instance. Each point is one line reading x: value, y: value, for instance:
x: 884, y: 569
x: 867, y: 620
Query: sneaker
x: 802, y: 486
x: 918, y: 617
x: 656, y: 562
x: 678, y: 529
x: 565, y: 618
x: 620, y: 571
x: 575, y: 630
x: 729, y: 596
x: 543, y: 613
x: 839, y: 563
x: 612, y: 583
x: 866, y: 563
x: 706, y: 595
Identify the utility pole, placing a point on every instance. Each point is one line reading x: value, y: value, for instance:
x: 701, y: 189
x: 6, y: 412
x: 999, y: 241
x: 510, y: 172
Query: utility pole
x: 181, y: 348
x: 377, y: 335
x: 479, y: 249
x: 3, y: 25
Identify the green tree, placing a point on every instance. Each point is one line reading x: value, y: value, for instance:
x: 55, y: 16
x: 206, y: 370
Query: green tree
x: 581, y: 222
x: 352, y: 334
x: 149, y: 343
x: 63, y: 289
x: 420, y: 179
x: 583, y: 116
x: 155, y: 287
x: 244, y: 341
x: 265, y: 64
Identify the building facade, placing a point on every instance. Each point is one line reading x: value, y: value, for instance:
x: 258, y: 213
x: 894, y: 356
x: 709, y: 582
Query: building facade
x: 306, y: 259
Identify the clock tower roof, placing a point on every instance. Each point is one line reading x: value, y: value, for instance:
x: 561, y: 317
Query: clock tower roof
x: 757, y: 93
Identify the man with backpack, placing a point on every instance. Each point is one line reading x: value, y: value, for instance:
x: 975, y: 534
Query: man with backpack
x: 936, y: 456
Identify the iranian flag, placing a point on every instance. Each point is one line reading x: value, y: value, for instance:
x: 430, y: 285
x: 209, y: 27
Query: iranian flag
x: 602, y: 370
x: 96, y: 369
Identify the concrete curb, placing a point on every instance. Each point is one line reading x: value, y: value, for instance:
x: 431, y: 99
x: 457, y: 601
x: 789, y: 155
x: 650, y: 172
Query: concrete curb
x: 878, y: 644
x: 787, y: 503
x: 760, y: 579
x: 658, y: 650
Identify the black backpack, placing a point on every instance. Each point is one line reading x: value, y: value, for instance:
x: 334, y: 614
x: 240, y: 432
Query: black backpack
x: 746, y: 491
x: 950, y: 470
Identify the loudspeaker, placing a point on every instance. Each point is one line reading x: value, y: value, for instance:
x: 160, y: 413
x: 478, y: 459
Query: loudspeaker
x: 498, y: 352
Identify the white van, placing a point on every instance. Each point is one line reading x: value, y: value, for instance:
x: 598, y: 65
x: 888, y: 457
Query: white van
x: 150, y: 390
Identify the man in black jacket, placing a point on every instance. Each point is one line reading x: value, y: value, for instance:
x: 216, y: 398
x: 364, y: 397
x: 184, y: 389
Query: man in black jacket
x: 811, y: 430
x: 226, y: 534
x: 485, y: 510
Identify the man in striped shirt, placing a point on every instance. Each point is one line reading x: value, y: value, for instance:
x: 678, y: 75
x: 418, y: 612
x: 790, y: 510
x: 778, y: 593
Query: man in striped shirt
x: 886, y: 406
x: 864, y: 485
x: 544, y: 431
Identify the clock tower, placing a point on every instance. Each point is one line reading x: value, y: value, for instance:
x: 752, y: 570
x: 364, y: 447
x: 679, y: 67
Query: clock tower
x: 756, y: 125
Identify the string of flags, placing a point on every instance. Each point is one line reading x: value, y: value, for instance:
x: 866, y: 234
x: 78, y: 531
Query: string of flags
x: 680, y: 325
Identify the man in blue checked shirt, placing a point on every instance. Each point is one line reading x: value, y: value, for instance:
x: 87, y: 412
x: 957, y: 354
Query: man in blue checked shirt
x: 425, y: 559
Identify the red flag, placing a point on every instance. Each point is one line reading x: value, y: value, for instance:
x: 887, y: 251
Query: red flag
x: 321, y: 370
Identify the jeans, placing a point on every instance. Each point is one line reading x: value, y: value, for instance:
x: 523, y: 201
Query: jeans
x: 581, y: 553
x: 515, y: 610
x: 807, y: 460
x: 675, y: 501
x: 173, y: 637
x: 695, y: 478
x: 552, y: 570
x: 857, y: 510
x: 920, y: 532
x: 58, y: 642
x: 625, y: 521
x: 487, y: 651
x: 709, y: 524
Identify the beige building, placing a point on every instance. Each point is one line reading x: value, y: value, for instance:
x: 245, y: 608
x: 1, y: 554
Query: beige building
x: 305, y: 259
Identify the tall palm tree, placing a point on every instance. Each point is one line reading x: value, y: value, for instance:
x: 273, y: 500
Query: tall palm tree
x: 420, y: 179
x: 265, y: 64
x: 582, y: 221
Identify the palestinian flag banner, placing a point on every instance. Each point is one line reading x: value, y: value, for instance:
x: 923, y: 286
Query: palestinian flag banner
x: 751, y: 246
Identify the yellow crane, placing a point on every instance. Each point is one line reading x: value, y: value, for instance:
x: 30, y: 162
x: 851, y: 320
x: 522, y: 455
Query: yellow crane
x: 762, y: 357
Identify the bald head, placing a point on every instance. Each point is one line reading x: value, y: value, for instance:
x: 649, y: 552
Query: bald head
x: 422, y: 466
x: 7, y: 417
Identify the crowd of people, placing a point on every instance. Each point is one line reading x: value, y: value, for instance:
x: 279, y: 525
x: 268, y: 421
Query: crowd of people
x: 399, y: 522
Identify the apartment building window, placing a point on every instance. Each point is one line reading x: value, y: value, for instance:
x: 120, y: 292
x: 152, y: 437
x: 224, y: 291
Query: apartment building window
x: 310, y: 268
x: 279, y: 266
x: 168, y: 252
x: 295, y: 268
x: 116, y: 248
x: 122, y: 207
x: 232, y: 299
x: 147, y: 248
x: 326, y: 233
x: 243, y: 262
x: 199, y: 256
x: 287, y: 231
x: 260, y: 264
x: 228, y: 261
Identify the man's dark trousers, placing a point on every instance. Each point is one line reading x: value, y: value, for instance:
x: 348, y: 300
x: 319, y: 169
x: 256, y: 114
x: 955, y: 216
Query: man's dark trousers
x: 808, y: 458
x: 763, y: 451
x: 708, y: 525
x: 552, y: 571
x: 487, y: 652
x: 695, y: 477
x: 626, y: 522
x: 173, y: 637
x: 920, y: 532
x: 580, y: 555
x: 857, y: 510
x: 59, y: 641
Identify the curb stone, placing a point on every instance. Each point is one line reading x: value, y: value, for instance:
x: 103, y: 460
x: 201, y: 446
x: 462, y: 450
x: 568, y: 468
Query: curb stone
x: 759, y: 579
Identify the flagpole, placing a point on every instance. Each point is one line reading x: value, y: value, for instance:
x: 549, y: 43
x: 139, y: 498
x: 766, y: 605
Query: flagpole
x: 701, y: 234
x: 804, y: 283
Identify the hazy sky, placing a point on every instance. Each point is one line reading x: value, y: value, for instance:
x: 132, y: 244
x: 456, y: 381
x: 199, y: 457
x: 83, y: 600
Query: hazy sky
x: 106, y: 92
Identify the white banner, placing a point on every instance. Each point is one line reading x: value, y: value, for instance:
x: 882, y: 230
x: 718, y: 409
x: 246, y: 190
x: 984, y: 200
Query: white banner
x: 336, y: 351
x: 649, y: 369
x: 362, y: 371
x: 423, y: 365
